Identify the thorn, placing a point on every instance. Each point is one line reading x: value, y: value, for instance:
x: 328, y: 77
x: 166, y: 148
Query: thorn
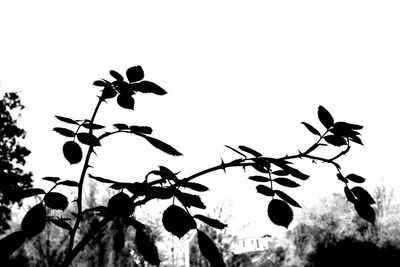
x: 223, y: 164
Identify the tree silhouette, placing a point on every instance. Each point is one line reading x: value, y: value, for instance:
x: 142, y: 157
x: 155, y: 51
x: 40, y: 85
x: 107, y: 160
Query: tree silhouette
x: 164, y: 184
x: 13, y: 180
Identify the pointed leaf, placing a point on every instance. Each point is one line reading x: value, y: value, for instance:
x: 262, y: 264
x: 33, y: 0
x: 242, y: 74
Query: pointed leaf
x: 357, y: 140
x: 335, y: 140
x: 66, y: 120
x: 265, y: 190
x: 311, y: 128
x: 211, y: 222
x: 29, y: 192
x: 72, y: 152
x: 147, y: 87
x: 195, y: 186
x: 121, y: 126
x: 259, y: 178
x: 177, y: 221
x: 64, y: 131
x: 100, y: 83
x: 51, y: 179
x: 280, y: 213
x: 116, y: 75
x: 287, y: 198
x: 362, y: 195
x: 190, y: 200
x: 11, y: 243
x: 55, y: 200
x: 345, y: 125
x: 108, y: 92
x: 167, y: 174
x: 281, y: 173
x: 355, y: 178
x: 146, y: 247
x: 69, y: 183
x: 349, y: 195
x: 92, y: 126
x: 250, y: 151
x: 209, y: 250
x: 341, y: 178
x: 162, y: 146
x: 365, y: 211
x: 286, y: 182
x: 126, y: 101
x: 61, y: 223
x: 88, y: 139
x: 141, y: 129
x: 101, y: 180
x: 135, y: 74
x: 325, y: 117
x: 34, y: 220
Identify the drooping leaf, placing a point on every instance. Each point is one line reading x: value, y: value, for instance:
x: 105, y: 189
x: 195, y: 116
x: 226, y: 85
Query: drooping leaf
x: 325, y: 117
x: 209, y: 250
x: 355, y: 178
x: 51, y: 179
x: 56, y: 201
x: 135, y: 74
x: 286, y: 182
x: 92, y: 126
x: 280, y: 213
x: 211, y: 222
x: 164, y: 147
x: 121, y: 126
x: 287, y: 198
x: 167, y: 174
x: 162, y: 192
x: 190, y: 200
x: 126, y: 101
x: 357, y: 140
x: 311, y: 128
x: 34, y: 221
x: 147, y: 87
x: 141, y: 129
x: 64, y: 131
x: 88, y: 139
x: 146, y: 247
x: 362, y: 195
x: 341, y: 178
x: 259, y: 178
x: 349, y: 195
x: 265, y: 190
x: 108, y: 92
x: 365, y: 211
x: 281, y: 173
x: 101, y: 180
x: 177, y: 221
x: 335, y: 140
x: 100, y: 83
x: 61, y: 223
x: 296, y: 173
x: 66, y: 120
x: 195, y: 186
x: 250, y: 151
x: 69, y: 183
x: 116, y: 75
x: 29, y: 192
x: 11, y: 243
x: 120, y: 205
x: 72, y: 152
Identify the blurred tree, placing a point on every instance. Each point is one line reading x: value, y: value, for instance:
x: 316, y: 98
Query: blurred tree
x: 12, y: 178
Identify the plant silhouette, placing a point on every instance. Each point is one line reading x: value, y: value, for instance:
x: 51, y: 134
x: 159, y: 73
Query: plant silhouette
x: 165, y: 184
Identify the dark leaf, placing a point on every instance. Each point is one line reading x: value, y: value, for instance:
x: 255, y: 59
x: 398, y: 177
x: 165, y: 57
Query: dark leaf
x: 281, y: 173
x: 11, y: 243
x: 69, y: 183
x: 88, y: 139
x: 280, y: 213
x: 116, y: 75
x: 325, y: 117
x: 67, y: 120
x: 349, y: 195
x: 250, y: 151
x: 259, y: 178
x: 162, y: 146
x: 167, y: 174
x: 177, y: 221
x: 357, y: 140
x: 126, y: 101
x: 146, y: 247
x: 335, y: 140
x: 286, y: 182
x: 147, y: 87
x: 141, y: 129
x: 34, y: 220
x: 56, y: 201
x: 209, y: 250
x: 265, y: 190
x: 61, y: 223
x: 121, y: 126
x: 362, y: 195
x: 135, y: 74
x: 92, y: 126
x: 72, y: 152
x: 29, y: 192
x: 211, y: 222
x: 162, y: 192
x: 365, y: 211
x: 101, y: 180
x: 345, y: 125
x: 108, y: 92
x: 120, y: 205
x: 341, y: 178
x: 64, y: 132
x: 195, y: 186
x: 287, y: 198
x: 190, y: 200
x: 311, y: 128
x: 51, y: 179
x: 344, y: 132
x: 296, y: 173
x: 134, y: 223
x: 100, y: 83
x: 355, y: 178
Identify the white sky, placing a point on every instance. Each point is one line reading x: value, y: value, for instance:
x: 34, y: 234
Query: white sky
x: 237, y: 72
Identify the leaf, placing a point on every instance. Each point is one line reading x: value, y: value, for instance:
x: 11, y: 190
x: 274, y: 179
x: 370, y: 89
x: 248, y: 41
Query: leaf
x: 362, y: 195
x: 195, y: 186
x: 345, y: 125
x: 259, y: 178
x: 69, y: 183
x: 265, y: 190
x: 146, y: 247
x: 56, y: 201
x: 116, y: 75
x: 126, y: 101
x: 190, y: 200
x: 34, y: 220
x: 64, y: 131
x: 88, y: 139
x: 209, y: 250
x: 141, y: 129
x: 164, y: 147
x: 341, y: 178
x: 211, y: 222
x: 101, y: 180
x: 286, y: 182
x: 296, y: 173
x: 29, y: 192
x: 280, y: 213
x: 287, y: 198
x: 11, y: 243
x: 355, y: 178
x: 344, y: 132
x: 281, y: 173
x: 92, y: 126
x: 167, y: 174
x: 72, y: 152
x: 100, y: 83
x: 51, y: 179
x: 365, y: 211
x: 335, y: 140
x: 148, y: 87
x: 356, y: 139
x: 120, y: 205
x: 135, y: 74
x: 61, y: 223
x: 325, y: 117
x: 66, y: 120
x: 177, y: 221
x: 250, y: 151
x: 311, y: 128
x: 121, y: 126
x: 108, y: 92
x: 349, y: 195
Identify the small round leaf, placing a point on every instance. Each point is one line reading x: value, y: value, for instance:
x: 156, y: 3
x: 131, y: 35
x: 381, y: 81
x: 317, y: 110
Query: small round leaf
x: 280, y: 213
x: 72, y: 152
